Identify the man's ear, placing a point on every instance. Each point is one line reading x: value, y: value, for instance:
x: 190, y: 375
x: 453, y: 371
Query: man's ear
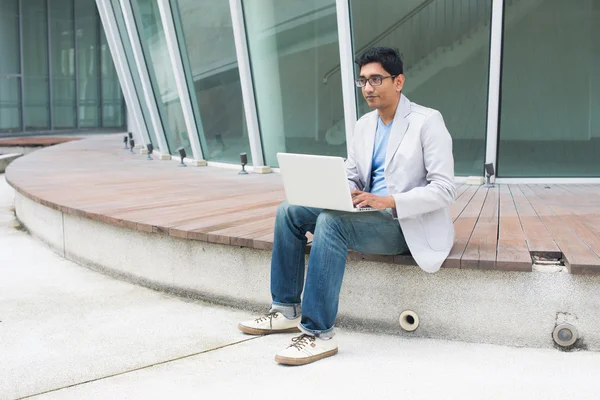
x: 399, y: 82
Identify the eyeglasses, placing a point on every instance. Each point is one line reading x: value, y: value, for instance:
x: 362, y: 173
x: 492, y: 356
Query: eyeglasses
x: 373, y: 81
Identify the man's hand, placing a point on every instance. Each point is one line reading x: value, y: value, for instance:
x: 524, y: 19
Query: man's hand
x: 365, y: 199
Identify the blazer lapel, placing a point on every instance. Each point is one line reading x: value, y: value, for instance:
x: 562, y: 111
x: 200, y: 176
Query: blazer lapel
x: 398, y: 129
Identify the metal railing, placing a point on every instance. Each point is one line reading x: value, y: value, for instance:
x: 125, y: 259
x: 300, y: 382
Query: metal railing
x: 431, y: 26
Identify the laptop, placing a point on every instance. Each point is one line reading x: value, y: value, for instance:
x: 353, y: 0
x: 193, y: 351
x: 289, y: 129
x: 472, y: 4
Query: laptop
x: 317, y: 181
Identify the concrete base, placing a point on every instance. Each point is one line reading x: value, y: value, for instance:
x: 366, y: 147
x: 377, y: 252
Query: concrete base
x: 18, y: 149
x: 197, y: 163
x: 261, y: 169
x: 190, y: 161
x: 508, y: 308
x: 475, y: 180
x: 70, y: 333
x: 6, y: 159
x: 164, y: 157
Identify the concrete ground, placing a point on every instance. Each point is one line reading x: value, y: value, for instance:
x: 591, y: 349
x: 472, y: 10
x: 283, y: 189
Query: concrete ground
x: 69, y: 333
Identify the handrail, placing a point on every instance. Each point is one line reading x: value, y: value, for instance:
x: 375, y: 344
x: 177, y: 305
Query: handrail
x: 306, y: 14
x: 383, y: 34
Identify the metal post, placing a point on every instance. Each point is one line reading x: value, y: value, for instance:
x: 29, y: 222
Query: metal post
x: 21, y: 59
x: 346, y: 67
x: 166, y: 16
x: 76, y: 66
x: 494, y: 83
x: 50, y: 72
x: 142, y: 70
x: 100, y: 77
x: 122, y: 67
x: 243, y: 58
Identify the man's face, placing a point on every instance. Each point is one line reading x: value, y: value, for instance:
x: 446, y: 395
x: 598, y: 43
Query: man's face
x: 386, y: 94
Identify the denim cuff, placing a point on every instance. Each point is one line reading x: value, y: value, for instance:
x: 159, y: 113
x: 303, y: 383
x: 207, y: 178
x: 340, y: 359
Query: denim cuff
x: 325, y: 334
x: 290, y: 311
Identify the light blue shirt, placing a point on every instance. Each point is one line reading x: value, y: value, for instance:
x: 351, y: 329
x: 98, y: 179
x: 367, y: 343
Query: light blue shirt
x: 378, y: 186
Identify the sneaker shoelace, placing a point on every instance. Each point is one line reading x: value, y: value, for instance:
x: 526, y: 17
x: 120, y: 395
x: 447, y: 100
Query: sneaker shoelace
x: 268, y: 317
x: 302, y: 341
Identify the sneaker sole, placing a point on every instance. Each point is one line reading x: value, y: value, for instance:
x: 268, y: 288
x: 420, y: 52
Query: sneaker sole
x: 305, y: 360
x: 255, y: 331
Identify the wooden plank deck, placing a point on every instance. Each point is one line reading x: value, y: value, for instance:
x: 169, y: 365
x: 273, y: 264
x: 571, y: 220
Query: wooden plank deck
x: 512, y: 243
x: 496, y: 228
x: 38, y: 141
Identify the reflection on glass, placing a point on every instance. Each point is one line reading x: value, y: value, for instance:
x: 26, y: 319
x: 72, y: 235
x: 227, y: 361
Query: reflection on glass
x: 131, y: 65
x: 445, y: 47
x: 157, y: 57
x: 71, y: 79
x: 35, y: 65
x: 10, y: 95
x: 550, y: 111
x: 208, y: 51
x: 62, y: 54
x: 9, y: 37
x: 112, y: 97
x: 10, y: 104
x: 292, y: 46
x: 87, y: 62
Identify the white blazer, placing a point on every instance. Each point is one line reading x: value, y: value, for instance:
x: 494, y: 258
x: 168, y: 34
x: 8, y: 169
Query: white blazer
x: 419, y: 173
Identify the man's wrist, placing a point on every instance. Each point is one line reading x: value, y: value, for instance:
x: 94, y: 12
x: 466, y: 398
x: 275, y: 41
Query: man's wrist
x: 391, y: 202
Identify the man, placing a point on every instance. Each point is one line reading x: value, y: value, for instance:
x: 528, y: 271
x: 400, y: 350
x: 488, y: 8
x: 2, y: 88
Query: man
x: 400, y: 162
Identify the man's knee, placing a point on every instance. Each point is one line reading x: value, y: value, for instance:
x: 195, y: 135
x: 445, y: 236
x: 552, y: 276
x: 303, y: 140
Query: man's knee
x: 330, y: 220
x: 287, y: 210
x: 283, y: 208
x: 293, y: 213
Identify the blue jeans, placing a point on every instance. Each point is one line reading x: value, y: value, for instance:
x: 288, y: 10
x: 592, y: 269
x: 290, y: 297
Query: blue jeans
x: 334, y: 233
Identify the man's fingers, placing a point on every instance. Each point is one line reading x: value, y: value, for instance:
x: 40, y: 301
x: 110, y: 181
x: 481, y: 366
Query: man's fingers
x: 358, y: 199
x: 364, y: 202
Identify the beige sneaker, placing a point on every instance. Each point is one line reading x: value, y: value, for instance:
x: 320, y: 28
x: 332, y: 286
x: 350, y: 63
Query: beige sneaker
x: 306, y: 349
x: 274, y: 322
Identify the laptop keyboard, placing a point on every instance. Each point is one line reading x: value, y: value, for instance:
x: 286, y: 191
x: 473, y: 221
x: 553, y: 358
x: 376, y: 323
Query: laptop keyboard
x: 365, y: 209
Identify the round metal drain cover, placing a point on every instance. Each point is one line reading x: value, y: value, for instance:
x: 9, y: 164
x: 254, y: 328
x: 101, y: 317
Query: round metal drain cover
x: 565, y: 335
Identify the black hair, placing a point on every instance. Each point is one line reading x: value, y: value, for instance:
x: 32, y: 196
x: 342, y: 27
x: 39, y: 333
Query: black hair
x: 389, y: 59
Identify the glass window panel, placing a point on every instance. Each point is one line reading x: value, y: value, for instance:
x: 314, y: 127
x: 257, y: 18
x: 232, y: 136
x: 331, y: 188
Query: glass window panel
x: 292, y: 46
x: 208, y: 52
x: 35, y: 65
x: 9, y: 37
x: 157, y: 57
x: 112, y: 97
x: 445, y: 48
x: 550, y: 111
x: 10, y: 104
x: 10, y: 82
x: 130, y: 63
x: 88, y: 27
x: 62, y: 54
